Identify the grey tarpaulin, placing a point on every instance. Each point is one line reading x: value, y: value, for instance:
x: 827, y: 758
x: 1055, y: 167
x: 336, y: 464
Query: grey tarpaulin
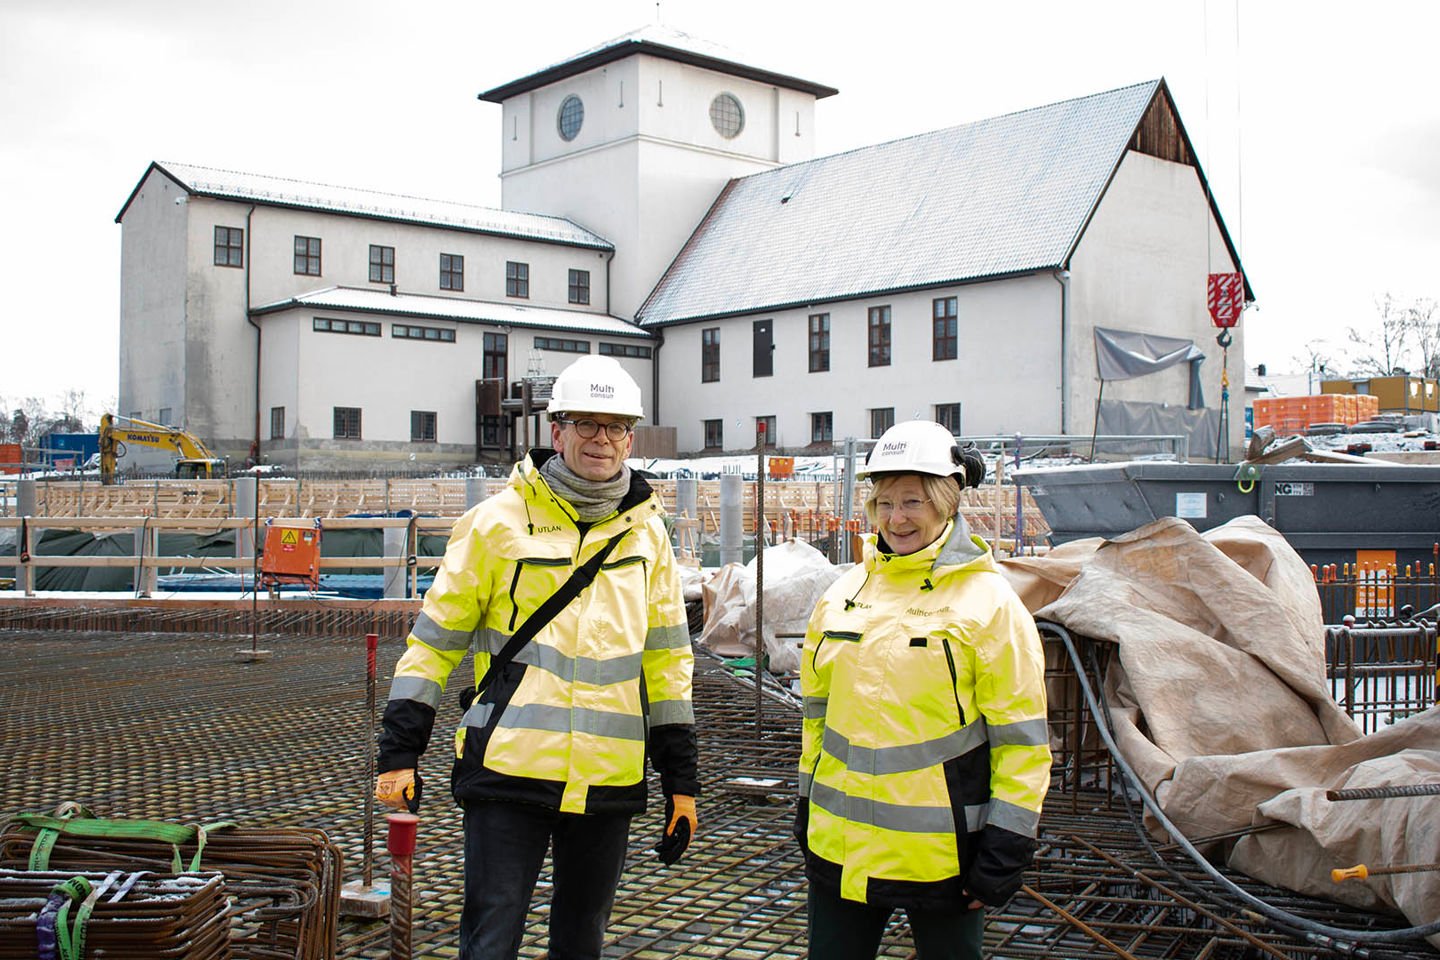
x: 1137, y: 418
x: 1124, y: 354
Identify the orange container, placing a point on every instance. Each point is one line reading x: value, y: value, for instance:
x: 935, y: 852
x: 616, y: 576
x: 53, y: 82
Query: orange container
x: 10, y: 458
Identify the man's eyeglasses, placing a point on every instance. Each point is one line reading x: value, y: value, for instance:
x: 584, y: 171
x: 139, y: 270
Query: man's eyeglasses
x: 911, y: 507
x: 615, y: 430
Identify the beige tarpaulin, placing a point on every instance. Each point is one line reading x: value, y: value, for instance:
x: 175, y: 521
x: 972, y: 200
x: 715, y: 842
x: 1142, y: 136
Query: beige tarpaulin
x: 796, y: 576
x: 1219, y: 700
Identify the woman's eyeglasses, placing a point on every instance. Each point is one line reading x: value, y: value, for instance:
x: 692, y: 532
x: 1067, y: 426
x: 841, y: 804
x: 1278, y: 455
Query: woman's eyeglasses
x: 885, y: 508
x: 615, y: 430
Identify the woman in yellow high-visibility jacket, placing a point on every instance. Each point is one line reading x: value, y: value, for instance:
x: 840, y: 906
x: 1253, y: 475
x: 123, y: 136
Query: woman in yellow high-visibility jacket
x: 925, y: 755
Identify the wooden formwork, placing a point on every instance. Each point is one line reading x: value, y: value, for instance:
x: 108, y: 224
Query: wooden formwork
x: 803, y: 508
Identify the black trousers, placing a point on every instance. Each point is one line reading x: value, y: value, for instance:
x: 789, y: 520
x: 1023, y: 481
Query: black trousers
x: 505, y: 846
x: 842, y: 929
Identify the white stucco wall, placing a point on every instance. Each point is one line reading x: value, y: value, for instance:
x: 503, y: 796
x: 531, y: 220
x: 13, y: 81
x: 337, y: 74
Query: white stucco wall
x: 152, y: 301
x: 1142, y: 266
x: 1008, y: 341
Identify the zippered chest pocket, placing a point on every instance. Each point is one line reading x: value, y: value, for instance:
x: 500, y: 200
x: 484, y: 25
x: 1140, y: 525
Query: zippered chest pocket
x: 542, y: 578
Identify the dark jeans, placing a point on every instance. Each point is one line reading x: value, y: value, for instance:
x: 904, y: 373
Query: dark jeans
x: 845, y: 930
x: 505, y: 847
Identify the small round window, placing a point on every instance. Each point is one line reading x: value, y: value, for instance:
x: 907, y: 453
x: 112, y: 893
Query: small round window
x: 571, y: 117
x: 727, y: 116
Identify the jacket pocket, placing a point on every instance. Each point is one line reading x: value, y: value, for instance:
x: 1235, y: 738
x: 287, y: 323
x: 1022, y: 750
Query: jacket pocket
x: 477, y: 726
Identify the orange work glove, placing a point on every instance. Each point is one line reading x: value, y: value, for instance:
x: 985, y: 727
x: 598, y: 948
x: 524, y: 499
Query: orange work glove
x: 681, y: 825
x: 399, y: 789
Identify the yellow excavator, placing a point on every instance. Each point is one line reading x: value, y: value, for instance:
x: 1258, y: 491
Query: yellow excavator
x: 194, y: 461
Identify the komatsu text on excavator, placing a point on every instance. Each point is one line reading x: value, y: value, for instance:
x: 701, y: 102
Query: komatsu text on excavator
x: 194, y: 461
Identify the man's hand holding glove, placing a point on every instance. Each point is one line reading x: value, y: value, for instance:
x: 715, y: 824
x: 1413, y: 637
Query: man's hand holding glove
x: 681, y: 825
x: 400, y: 790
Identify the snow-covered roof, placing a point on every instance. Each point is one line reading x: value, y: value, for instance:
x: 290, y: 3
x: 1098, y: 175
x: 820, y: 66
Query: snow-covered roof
x: 658, y: 40
x: 351, y: 201
x: 456, y: 308
x: 992, y: 198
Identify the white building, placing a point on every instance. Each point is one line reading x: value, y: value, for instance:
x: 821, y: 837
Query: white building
x: 660, y: 204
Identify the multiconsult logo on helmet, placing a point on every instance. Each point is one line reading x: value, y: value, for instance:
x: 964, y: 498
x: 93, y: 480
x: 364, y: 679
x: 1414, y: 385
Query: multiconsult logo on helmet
x: 892, y: 447
x: 603, y: 390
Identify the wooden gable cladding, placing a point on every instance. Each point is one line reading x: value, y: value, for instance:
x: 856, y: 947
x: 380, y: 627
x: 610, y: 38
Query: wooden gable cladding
x: 1159, y: 133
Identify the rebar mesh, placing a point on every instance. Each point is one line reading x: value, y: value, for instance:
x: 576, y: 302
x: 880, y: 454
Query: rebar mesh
x: 170, y: 725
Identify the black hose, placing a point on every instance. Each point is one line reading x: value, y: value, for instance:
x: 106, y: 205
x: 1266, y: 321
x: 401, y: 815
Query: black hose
x: 1319, y: 933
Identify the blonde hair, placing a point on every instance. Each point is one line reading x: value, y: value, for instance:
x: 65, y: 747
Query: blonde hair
x: 943, y: 493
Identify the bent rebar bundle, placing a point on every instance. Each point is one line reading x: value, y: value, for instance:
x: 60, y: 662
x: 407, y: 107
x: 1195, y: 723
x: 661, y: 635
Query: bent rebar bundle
x: 68, y: 915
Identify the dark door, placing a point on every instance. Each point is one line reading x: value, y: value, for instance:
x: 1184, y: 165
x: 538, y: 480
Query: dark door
x: 764, y: 348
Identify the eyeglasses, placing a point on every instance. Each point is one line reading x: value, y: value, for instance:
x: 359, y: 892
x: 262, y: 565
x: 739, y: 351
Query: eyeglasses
x: 911, y: 507
x: 615, y: 430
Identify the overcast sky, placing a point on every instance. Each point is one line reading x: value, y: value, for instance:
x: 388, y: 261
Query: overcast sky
x: 1318, y: 123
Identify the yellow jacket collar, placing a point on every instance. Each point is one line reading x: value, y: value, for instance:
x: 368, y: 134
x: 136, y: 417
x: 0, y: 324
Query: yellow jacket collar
x: 956, y: 547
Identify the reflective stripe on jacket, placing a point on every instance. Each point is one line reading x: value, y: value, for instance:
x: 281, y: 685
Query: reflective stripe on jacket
x: 925, y: 753
x: 567, y: 723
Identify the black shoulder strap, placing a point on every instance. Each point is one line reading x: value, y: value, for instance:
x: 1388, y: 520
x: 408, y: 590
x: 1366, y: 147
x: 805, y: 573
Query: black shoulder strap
x: 559, y: 600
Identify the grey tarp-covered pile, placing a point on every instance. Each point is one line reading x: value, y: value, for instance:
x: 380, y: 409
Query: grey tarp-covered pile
x: 1219, y: 701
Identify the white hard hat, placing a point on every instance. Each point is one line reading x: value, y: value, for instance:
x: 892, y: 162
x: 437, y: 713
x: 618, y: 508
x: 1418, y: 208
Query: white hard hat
x: 923, y: 446
x: 596, y: 385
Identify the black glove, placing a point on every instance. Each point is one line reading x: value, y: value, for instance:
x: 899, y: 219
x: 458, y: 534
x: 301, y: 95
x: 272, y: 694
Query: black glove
x: 680, y: 823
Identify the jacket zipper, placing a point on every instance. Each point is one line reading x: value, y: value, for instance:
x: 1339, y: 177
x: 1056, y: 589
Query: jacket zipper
x: 954, y: 678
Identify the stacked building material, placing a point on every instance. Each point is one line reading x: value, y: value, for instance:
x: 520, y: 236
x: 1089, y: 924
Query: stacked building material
x: 282, y: 884
x: 66, y: 914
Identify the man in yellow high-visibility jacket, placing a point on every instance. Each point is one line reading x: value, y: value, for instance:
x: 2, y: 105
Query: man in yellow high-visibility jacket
x: 552, y: 750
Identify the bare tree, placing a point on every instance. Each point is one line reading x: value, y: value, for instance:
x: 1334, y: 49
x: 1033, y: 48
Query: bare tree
x: 1316, y: 357
x: 1380, y: 351
x: 1424, y: 326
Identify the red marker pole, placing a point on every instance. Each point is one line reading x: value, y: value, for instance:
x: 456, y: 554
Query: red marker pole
x: 372, y: 641
x: 400, y: 841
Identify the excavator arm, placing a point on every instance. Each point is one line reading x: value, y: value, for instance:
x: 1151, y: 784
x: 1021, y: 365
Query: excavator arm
x: 193, y: 458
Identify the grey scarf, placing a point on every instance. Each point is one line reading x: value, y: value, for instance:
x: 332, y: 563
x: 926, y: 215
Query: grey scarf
x: 593, y: 500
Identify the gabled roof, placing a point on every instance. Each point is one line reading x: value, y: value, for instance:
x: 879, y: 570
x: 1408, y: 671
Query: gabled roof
x: 994, y: 198
x: 455, y: 308
x: 657, y: 40
x: 371, y: 204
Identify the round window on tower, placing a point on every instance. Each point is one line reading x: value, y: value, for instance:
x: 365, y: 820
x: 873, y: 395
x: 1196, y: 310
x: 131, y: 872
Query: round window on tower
x: 570, y: 118
x: 727, y: 116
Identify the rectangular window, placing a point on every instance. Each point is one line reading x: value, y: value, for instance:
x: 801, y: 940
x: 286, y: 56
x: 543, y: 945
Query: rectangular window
x: 821, y: 425
x: 562, y: 344
x: 881, y: 419
x: 710, y: 355
x: 452, y: 272
x: 517, y: 279
x: 362, y: 328
x: 277, y: 423
x: 819, y: 342
x: 944, y: 339
x: 579, y: 286
x: 408, y: 331
x: 766, y: 426
x: 307, y: 256
x: 382, y: 264
x: 714, y: 434
x: 164, y: 416
x: 625, y: 350
x: 422, y: 426
x: 493, y: 357
x: 879, y: 336
x: 347, y: 423
x: 229, y: 247
x: 948, y: 416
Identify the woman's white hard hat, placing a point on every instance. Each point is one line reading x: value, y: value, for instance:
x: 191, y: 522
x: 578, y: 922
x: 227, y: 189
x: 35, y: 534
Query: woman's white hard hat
x: 596, y: 385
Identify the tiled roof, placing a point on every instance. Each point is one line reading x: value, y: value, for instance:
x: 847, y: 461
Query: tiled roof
x: 457, y: 309
x: 284, y: 192
x: 659, y: 40
x: 995, y: 197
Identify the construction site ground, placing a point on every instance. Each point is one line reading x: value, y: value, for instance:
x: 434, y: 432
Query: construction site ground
x: 174, y: 726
